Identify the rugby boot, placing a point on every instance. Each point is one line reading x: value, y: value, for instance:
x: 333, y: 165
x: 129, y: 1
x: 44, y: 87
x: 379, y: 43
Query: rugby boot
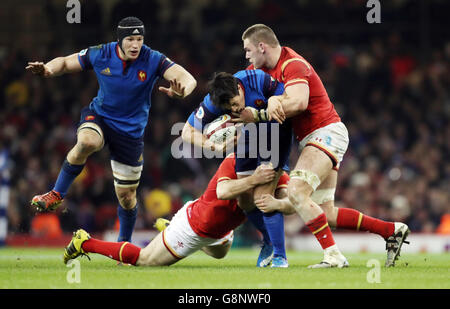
x: 161, y: 224
x: 73, y: 249
x: 265, y: 255
x: 394, y: 243
x: 49, y: 201
x: 334, y: 258
x: 279, y: 262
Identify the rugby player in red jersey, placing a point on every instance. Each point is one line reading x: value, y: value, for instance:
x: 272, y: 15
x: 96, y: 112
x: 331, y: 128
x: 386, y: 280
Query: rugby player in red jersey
x: 204, y: 224
x: 323, y: 141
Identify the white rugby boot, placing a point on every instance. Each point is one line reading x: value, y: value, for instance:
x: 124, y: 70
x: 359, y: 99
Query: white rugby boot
x: 394, y: 243
x: 332, y: 257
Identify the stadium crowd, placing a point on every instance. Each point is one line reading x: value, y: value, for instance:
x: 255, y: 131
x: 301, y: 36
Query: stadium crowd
x: 391, y: 88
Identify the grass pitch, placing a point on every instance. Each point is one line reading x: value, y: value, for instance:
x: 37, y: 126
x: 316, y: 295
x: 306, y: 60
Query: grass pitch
x: 43, y: 269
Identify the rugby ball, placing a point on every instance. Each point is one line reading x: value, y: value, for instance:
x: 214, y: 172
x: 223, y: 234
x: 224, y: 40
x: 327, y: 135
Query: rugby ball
x: 221, y: 129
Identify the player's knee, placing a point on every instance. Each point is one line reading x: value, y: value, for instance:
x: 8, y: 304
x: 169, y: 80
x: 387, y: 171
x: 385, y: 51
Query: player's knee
x: 217, y: 252
x: 87, y: 146
x: 127, y: 199
x: 245, y: 201
x: 297, y: 195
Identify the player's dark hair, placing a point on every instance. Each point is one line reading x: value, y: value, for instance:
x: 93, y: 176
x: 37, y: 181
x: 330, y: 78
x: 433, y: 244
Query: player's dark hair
x: 222, y: 88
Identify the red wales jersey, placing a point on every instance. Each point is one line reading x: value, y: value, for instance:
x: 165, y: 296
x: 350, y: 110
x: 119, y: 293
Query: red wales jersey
x: 292, y: 69
x: 213, y: 218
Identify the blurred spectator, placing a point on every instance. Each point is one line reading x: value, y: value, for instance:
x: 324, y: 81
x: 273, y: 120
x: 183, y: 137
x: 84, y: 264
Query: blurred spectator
x: 444, y: 226
x: 46, y: 225
x: 158, y: 204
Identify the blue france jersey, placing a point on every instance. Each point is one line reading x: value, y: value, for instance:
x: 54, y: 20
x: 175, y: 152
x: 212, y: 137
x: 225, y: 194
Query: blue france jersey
x: 258, y: 88
x: 124, y: 96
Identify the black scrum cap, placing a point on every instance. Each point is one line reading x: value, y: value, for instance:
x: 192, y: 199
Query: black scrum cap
x: 129, y: 26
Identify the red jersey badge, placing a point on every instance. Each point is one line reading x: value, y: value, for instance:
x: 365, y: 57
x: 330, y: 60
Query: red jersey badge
x: 259, y: 103
x: 142, y: 75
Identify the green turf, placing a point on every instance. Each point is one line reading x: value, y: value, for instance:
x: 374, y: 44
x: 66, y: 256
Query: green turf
x: 43, y: 268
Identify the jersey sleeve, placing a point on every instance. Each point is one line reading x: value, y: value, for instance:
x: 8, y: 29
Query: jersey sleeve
x: 204, y: 114
x: 88, y: 56
x: 295, y: 71
x: 283, y: 181
x: 226, y: 170
x: 163, y: 63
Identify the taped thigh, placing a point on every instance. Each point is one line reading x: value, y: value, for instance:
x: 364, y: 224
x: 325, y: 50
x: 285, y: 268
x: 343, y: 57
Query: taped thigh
x: 126, y: 176
x: 309, y: 177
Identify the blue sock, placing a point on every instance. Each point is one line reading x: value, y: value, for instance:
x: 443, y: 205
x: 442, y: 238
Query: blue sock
x: 127, y: 219
x: 255, y: 216
x: 274, y: 222
x: 66, y: 176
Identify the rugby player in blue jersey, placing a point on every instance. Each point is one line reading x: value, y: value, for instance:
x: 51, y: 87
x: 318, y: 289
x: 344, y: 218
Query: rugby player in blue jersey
x: 231, y: 94
x: 126, y: 71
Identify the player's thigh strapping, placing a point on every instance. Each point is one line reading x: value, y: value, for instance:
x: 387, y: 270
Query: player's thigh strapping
x: 333, y: 140
x: 181, y: 241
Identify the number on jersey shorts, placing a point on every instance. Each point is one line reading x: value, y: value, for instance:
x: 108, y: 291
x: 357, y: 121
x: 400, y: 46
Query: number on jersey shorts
x: 331, y: 139
x: 182, y: 241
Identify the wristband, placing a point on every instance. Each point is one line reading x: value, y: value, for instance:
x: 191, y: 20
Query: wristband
x: 263, y: 115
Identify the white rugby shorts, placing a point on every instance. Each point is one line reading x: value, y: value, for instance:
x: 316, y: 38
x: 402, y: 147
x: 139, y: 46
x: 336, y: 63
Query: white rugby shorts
x: 182, y: 241
x: 331, y: 139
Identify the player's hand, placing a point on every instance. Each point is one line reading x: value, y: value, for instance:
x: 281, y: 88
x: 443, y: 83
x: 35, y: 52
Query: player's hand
x: 247, y: 115
x: 39, y: 68
x: 227, y: 146
x: 275, y: 110
x: 175, y: 91
x: 263, y: 174
x: 266, y: 203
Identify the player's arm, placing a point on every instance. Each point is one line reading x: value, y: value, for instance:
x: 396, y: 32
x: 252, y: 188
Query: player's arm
x: 267, y: 203
x: 56, y: 67
x: 295, y: 98
x: 291, y: 103
x: 196, y: 137
x: 182, y: 83
x: 232, y: 188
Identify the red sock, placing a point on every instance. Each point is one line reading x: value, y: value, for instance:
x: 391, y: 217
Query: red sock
x: 120, y: 251
x: 353, y: 219
x: 319, y: 227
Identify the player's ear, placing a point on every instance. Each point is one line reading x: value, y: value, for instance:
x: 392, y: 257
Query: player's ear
x: 262, y: 47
